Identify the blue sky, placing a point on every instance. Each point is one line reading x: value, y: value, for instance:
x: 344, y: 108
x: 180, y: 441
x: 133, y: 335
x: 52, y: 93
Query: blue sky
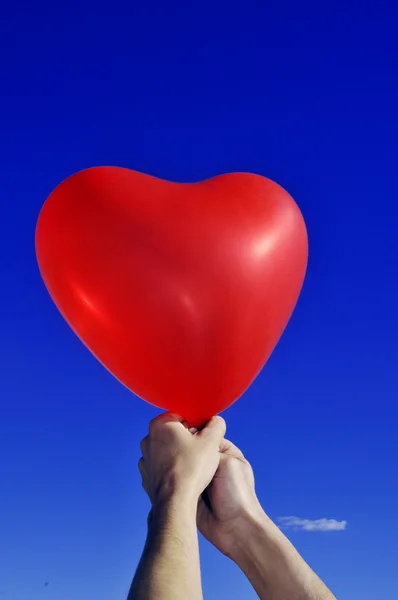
x: 301, y: 93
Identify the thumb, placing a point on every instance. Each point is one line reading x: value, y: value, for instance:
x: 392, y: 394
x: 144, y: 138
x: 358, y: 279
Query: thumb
x: 227, y: 447
x: 214, y: 429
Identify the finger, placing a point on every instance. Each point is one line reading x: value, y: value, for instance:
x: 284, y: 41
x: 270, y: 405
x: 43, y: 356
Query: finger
x: 141, y: 468
x: 227, y: 447
x: 144, y: 485
x: 144, y: 445
x: 215, y: 428
x: 192, y: 430
x: 167, y: 417
x: 150, y: 517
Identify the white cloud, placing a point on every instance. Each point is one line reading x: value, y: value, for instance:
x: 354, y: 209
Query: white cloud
x: 311, y: 525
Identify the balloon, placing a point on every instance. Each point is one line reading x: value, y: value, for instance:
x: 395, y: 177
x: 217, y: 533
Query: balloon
x: 180, y: 290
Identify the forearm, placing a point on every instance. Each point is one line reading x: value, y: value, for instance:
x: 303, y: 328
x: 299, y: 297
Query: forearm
x: 169, y: 568
x: 273, y: 565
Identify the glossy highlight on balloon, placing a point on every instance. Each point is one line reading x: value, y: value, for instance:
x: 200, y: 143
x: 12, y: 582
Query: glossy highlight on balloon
x: 181, y: 291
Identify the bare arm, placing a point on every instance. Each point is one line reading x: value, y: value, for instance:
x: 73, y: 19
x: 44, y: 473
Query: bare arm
x: 169, y: 568
x: 272, y: 564
x: 176, y: 466
x: 232, y: 519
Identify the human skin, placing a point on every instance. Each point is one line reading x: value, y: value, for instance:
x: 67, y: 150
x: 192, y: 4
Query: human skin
x: 201, y: 479
x: 230, y: 516
x: 177, y: 465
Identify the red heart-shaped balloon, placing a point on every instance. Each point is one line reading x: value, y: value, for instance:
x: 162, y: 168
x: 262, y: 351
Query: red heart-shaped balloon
x: 181, y: 290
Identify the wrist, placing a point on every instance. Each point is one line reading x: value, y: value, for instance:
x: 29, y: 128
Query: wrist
x: 273, y: 565
x: 174, y: 503
x: 252, y: 531
x: 174, y: 488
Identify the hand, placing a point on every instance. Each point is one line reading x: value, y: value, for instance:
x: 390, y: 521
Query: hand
x: 230, y: 500
x: 177, y: 460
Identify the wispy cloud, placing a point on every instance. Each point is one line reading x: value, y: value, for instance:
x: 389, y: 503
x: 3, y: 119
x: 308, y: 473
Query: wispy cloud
x: 311, y: 525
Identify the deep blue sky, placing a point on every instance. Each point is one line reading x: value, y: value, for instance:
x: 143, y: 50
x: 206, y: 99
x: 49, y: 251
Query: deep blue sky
x: 300, y: 93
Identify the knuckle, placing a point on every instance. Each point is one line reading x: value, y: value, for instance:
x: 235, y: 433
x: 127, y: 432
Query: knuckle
x: 215, y: 425
x: 222, y: 426
x: 154, y: 424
